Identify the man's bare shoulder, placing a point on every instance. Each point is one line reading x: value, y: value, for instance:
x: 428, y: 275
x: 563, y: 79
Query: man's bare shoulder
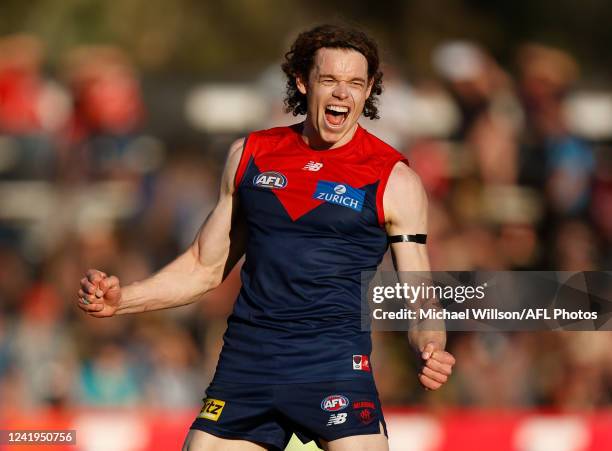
x: 404, y: 180
x: 236, y: 148
x: 232, y: 162
x: 404, y: 194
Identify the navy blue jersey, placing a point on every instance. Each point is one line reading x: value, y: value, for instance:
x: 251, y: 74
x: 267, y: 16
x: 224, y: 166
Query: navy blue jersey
x: 314, y: 222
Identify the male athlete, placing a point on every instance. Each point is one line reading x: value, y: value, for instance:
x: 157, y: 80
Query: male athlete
x: 310, y: 206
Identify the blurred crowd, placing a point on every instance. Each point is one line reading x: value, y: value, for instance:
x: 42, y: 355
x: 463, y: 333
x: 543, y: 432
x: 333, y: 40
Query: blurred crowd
x: 518, y: 169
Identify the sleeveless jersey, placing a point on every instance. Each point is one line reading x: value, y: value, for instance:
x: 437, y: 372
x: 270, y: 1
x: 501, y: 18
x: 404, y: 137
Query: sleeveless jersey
x: 315, y: 221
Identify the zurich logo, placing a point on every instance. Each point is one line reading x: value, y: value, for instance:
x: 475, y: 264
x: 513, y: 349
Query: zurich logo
x: 339, y: 194
x: 340, y: 189
x: 270, y: 180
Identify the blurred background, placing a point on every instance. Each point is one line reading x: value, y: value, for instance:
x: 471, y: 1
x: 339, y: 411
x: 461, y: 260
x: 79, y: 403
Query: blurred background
x: 114, y: 122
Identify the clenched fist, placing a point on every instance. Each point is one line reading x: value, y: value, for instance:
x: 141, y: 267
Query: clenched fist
x: 99, y: 295
x: 437, y: 366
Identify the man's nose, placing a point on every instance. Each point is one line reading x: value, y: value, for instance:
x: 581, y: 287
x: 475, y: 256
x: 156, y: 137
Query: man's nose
x: 340, y: 91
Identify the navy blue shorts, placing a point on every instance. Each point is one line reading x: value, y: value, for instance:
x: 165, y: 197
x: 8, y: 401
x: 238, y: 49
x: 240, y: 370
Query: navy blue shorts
x: 270, y: 414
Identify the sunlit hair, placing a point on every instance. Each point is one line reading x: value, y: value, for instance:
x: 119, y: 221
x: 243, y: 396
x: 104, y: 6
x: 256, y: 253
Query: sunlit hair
x: 299, y: 60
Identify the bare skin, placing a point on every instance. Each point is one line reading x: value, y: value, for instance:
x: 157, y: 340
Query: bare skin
x: 338, y: 78
x: 200, y: 440
x: 405, y: 204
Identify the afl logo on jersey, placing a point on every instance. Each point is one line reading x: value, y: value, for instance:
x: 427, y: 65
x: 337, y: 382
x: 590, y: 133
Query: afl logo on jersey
x: 270, y: 180
x: 333, y: 403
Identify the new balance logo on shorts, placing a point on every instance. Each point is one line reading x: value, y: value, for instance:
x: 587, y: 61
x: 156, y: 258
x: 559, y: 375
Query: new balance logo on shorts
x: 212, y: 409
x: 336, y: 418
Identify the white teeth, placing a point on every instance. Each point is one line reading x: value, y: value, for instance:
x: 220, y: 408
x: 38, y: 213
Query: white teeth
x: 337, y: 108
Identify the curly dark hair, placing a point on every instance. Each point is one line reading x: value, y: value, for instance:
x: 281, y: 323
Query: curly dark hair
x: 299, y: 60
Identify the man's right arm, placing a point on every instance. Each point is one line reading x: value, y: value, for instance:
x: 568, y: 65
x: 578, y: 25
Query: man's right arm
x: 218, y: 246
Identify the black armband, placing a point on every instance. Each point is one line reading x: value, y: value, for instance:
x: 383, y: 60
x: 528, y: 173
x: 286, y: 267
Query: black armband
x: 419, y: 238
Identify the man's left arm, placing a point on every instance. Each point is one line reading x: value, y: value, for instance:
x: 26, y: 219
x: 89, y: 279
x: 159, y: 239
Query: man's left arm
x: 405, y: 207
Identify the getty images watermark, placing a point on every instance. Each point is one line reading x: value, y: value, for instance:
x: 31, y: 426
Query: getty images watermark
x: 487, y: 301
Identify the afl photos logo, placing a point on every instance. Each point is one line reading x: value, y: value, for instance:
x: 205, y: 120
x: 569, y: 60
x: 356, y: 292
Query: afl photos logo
x: 270, y: 180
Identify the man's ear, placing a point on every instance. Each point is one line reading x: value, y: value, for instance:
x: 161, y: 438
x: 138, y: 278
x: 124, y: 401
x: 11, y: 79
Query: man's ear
x: 301, y: 85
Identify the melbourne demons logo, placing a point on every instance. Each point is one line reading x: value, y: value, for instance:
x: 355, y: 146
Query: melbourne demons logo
x: 270, y: 180
x: 365, y: 411
x: 333, y: 403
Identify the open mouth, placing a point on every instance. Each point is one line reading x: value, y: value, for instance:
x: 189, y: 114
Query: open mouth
x: 335, y: 115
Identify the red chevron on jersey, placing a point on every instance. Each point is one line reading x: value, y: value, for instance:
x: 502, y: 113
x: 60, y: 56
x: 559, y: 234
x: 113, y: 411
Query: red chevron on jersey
x: 362, y: 161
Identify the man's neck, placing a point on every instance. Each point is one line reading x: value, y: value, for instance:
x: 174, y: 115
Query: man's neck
x: 312, y: 138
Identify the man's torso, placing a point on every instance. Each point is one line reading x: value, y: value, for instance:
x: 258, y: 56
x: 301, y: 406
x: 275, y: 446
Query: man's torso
x: 315, y: 223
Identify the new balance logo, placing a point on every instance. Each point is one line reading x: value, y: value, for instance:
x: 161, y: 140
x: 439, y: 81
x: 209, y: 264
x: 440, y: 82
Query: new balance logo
x: 312, y: 166
x: 336, y: 418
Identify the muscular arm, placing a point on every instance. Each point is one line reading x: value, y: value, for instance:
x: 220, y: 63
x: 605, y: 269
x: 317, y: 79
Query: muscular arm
x: 405, y: 206
x: 217, y: 247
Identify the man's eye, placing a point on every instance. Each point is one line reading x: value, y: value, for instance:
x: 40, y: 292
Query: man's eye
x: 357, y: 84
x: 327, y: 81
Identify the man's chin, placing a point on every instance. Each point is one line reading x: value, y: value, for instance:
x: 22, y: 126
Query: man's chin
x: 331, y: 135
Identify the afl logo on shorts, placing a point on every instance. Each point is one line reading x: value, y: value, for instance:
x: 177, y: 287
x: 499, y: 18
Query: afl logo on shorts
x: 333, y: 403
x: 270, y: 180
